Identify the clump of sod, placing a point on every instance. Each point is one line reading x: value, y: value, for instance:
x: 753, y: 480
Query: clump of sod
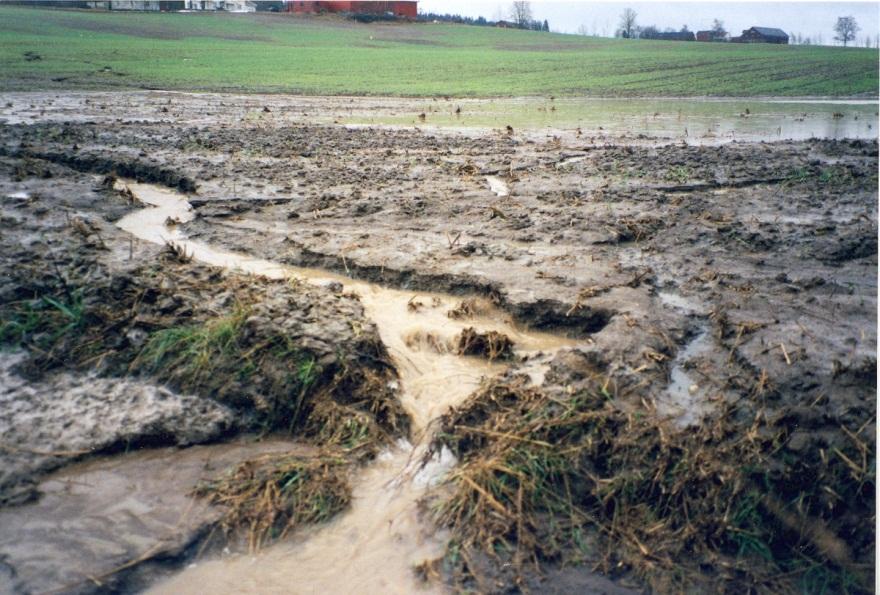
x: 225, y: 358
x: 255, y: 345
x: 467, y: 308
x: 272, y: 495
x: 733, y: 504
x: 491, y: 344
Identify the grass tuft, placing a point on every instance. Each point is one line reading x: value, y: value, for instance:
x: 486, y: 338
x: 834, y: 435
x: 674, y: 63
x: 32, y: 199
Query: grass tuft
x: 273, y: 495
x: 221, y: 358
x: 42, y: 322
x: 572, y: 478
x: 196, y: 351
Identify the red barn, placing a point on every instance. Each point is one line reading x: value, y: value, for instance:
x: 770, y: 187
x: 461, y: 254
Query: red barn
x: 399, y: 9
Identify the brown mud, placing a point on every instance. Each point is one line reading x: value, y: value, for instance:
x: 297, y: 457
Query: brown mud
x: 111, y: 347
x: 729, y: 290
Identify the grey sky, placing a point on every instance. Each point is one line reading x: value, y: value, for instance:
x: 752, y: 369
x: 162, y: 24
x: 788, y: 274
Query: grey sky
x: 806, y: 18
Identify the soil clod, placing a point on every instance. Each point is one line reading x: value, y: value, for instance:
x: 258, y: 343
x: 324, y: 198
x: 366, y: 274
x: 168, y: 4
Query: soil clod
x: 491, y: 344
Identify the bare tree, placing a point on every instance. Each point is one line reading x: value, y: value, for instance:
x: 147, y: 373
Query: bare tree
x: 718, y: 31
x: 846, y: 29
x: 582, y: 30
x: 627, y: 27
x: 521, y: 13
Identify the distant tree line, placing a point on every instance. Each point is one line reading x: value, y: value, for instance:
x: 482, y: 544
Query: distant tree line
x: 531, y: 25
x: 817, y: 39
x: 846, y: 30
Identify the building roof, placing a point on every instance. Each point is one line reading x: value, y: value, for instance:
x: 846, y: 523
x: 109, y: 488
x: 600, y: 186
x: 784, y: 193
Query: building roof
x: 770, y: 31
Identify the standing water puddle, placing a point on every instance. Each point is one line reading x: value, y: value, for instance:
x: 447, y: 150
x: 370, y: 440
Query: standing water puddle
x: 372, y: 547
x: 498, y: 186
x: 697, y: 120
x: 684, y: 398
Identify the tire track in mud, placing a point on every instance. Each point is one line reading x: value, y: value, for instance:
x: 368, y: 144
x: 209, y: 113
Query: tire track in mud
x: 375, y: 545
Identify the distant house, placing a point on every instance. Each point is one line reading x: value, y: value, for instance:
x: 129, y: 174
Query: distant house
x: 506, y: 25
x: 711, y: 36
x: 398, y: 9
x: 762, y: 35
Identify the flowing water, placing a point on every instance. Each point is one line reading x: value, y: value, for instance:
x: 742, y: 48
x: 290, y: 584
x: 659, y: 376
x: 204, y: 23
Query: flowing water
x: 372, y: 547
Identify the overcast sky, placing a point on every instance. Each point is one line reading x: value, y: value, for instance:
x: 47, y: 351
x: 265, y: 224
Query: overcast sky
x: 806, y: 18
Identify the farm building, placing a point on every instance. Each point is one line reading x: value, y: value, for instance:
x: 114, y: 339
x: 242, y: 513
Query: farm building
x: 399, y: 9
x: 711, y: 35
x: 762, y: 35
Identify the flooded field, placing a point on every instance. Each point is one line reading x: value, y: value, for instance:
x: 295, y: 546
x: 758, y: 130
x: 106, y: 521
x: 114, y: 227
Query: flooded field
x: 388, y: 353
x: 702, y: 121
x: 697, y: 120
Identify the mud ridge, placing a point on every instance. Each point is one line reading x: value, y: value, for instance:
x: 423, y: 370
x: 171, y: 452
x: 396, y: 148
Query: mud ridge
x: 111, y: 165
x: 545, y: 315
x: 717, y: 185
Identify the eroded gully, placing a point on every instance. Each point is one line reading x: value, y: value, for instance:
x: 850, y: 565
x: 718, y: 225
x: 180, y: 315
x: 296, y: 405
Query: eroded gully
x: 374, y: 545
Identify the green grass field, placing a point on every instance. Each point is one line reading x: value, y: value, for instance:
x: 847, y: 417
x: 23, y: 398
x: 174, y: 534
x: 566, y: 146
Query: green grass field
x: 45, y: 49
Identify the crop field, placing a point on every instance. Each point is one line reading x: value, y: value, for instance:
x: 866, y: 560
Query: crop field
x: 41, y: 50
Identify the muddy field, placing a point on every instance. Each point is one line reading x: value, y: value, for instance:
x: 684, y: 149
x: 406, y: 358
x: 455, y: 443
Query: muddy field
x: 660, y: 358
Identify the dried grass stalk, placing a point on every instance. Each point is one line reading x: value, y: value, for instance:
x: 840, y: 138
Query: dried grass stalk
x: 272, y: 495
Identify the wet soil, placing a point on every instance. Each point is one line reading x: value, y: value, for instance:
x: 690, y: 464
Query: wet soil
x: 689, y: 276
x: 116, y: 524
x: 46, y: 423
x: 81, y: 304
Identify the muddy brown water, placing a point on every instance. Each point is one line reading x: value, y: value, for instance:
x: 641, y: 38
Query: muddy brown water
x: 372, y: 547
x: 104, y: 513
